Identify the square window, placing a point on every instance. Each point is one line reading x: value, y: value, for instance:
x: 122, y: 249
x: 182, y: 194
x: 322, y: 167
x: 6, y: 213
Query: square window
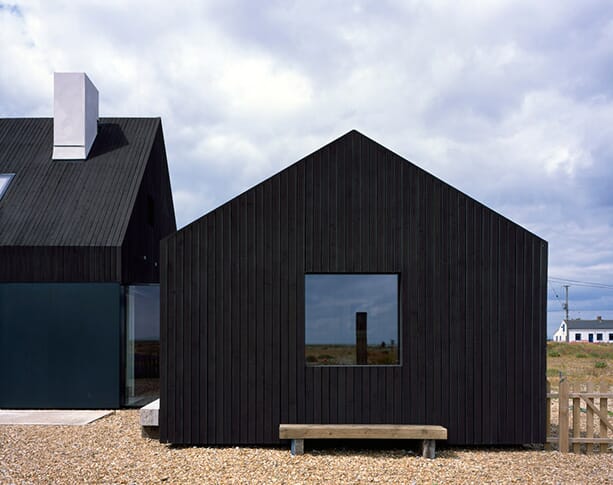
x: 599, y: 336
x: 577, y: 336
x: 611, y: 337
x: 351, y: 319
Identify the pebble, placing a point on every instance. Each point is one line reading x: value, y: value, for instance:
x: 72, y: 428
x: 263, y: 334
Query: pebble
x: 111, y: 450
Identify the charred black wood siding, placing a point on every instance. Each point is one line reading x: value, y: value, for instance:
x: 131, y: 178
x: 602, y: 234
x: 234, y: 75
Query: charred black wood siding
x: 472, y: 307
x: 152, y: 218
x: 85, y: 221
x: 60, y: 264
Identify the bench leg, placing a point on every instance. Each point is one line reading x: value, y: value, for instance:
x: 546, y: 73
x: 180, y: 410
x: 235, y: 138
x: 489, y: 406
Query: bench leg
x: 297, y: 447
x: 428, y: 448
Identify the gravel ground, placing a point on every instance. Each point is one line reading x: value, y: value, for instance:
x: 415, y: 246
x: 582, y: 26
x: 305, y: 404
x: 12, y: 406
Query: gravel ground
x: 111, y: 450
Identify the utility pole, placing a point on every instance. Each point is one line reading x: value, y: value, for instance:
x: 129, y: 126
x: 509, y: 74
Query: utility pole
x: 566, y: 304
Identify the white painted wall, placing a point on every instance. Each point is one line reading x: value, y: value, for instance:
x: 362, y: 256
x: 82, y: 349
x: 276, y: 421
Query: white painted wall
x: 75, y: 115
x: 563, y: 334
x: 560, y: 335
x: 585, y: 335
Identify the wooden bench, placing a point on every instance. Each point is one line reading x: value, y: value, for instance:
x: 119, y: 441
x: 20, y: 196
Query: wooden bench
x: 427, y: 433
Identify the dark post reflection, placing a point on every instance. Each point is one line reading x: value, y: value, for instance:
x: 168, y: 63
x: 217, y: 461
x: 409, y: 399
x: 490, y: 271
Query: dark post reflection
x: 351, y: 319
x: 361, y: 349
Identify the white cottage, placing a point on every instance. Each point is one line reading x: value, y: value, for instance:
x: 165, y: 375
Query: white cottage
x: 598, y: 331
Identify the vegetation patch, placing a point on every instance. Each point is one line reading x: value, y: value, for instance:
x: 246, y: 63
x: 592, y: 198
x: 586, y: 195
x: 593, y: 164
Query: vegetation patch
x: 580, y: 361
x: 336, y: 354
x: 551, y: 372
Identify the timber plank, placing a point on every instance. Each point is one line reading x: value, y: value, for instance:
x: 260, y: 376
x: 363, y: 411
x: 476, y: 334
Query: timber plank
x: 357, y: 431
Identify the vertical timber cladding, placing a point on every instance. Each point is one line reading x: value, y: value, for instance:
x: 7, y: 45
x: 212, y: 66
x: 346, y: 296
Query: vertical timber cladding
x: 472, y: 306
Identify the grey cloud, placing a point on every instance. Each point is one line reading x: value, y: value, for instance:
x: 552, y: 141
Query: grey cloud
x: 508, y: 101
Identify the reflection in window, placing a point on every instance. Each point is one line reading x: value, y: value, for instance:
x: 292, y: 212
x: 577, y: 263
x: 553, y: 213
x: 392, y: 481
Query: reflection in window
x: 351, y: 319
x: 5, y: 180
x: 142, y: 344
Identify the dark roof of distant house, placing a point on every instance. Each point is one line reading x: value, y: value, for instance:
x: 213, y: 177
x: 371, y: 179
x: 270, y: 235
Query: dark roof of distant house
x: 589, y: 324
x: 71, y: 203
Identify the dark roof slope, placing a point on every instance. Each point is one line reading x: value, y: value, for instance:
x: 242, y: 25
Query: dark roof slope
x: 64, y: 203
x: 590, y: 324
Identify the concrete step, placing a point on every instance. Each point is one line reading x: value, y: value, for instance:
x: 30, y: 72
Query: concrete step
x: 149, y: 420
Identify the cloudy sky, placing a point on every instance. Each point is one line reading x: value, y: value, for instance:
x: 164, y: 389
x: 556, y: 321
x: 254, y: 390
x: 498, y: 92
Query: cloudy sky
x: 509, y: 101
x: 332, y: 301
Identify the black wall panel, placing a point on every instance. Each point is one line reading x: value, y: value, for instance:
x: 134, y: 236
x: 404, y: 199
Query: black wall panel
x: 152, y: 218
x: 472, y: 307
x: 60, y: 264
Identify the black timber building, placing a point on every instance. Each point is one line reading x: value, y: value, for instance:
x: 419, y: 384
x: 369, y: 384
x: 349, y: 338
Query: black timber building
x: 239, y: 299
x: 79, y: 264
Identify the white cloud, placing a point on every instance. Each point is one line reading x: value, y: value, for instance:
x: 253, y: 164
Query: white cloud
x: 257, y: 89
x: 509, y: 101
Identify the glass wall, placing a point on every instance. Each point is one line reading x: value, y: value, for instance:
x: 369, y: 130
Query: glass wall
x: 142, y: 371
x: 351, y: 319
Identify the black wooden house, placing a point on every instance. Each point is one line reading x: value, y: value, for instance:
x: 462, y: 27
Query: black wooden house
x: 84, y: 203
x: 269, y: 301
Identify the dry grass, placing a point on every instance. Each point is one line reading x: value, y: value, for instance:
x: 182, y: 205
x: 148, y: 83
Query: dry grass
x: 330, y: 354
x: 578, y: 361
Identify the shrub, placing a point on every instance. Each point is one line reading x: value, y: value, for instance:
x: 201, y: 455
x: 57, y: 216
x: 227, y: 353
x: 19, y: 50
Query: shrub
x: 311, y: 358
x: 581, y: 356
x: 554, y: 354
x: 600, y: 365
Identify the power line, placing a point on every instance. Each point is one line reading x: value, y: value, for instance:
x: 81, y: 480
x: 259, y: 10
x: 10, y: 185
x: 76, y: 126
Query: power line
x: 553, y: 290
x: 589, y: 284
x: 552, y: 280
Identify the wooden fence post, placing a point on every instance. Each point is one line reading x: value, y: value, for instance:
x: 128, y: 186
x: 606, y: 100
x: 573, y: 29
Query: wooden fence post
x: 603, y: 389
x: 548, y: 415
x: 563, y: 423
x: 576, y: 418
x: 589, y: 426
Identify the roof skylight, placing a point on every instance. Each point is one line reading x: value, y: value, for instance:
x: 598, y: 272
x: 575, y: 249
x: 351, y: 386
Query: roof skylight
x: 5, y: 180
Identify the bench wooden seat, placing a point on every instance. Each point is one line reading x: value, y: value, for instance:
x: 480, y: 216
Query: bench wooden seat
x: 427, y: 433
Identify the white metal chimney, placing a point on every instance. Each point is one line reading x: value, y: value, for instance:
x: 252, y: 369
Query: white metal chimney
x: 75, y: 115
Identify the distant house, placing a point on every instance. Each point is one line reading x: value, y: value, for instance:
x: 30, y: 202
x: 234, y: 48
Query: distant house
x: 84, y: 203
x: 598, y: 331
x: 352, y: 287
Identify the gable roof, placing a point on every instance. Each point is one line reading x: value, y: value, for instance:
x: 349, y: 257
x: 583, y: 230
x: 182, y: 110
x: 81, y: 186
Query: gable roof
x: 590, y: 324
x: 64, y: 203
x: 351, y: 148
